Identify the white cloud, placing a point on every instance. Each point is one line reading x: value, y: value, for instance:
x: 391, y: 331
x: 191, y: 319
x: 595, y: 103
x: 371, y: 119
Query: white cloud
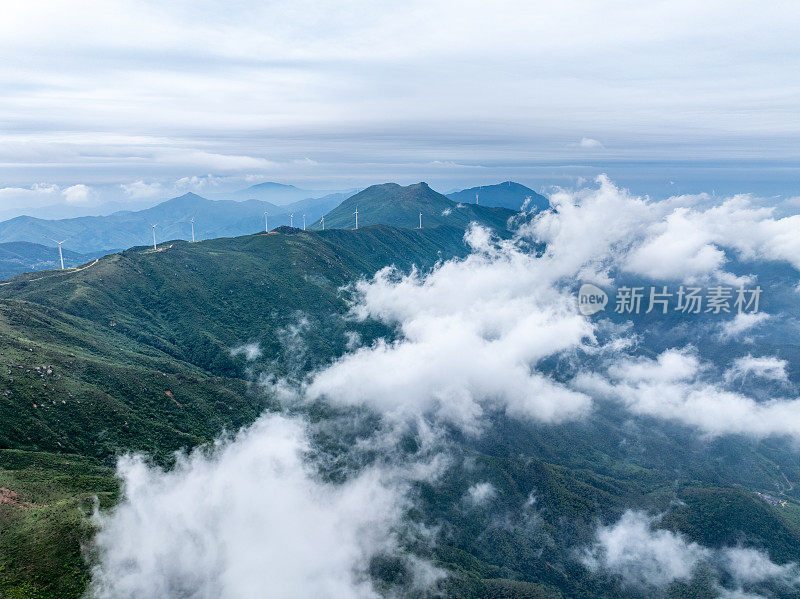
x: 589, y: 143
x: 140, y: 189
x: 672, y: 387
x: 37, y: 190
x: 472, y: 332
x: 197, y: 183
x: 250, y: 351
x: 202, y: 160
x: 481, y: 493
x: 753, y: 566
x: 77, y: 195
x: 767, y: 367
x: 742, y: 323
x: 641, y: 555
x: 251, y: 515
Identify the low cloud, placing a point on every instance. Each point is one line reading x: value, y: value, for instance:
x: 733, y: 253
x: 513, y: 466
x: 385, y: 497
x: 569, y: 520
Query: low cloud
x: 250, y: 351
x: 742, y: 323
x: 249, y: 515
x: 641, y: 555
x: 766, y: 367
x: 673, y: 387
x: 480, y: 494
x: 471, y: 334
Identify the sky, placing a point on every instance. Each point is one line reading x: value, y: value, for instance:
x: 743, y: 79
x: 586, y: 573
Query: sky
x: 130, y: 101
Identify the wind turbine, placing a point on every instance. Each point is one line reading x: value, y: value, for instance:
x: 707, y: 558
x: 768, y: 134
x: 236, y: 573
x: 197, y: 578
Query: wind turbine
x: 304, y: 222
x: 356, y: 213
x: 191, y: 220
x: 266, y: 222
x: 291, y: 220
x: 60, y: 253
x: 155, y: 247
x: 323, y: 222
x: 420, y: 220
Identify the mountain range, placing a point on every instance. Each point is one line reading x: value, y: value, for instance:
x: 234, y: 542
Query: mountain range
x: 243, y: 213
x: 121, y: 230
x: 398, y: 206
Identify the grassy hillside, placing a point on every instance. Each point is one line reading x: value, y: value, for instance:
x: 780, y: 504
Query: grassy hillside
x: 392, y: 204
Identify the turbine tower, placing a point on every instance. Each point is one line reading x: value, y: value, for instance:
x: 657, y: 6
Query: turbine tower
x: 60, y: 253
x: 304, y: 222
x: 420, y: 220
x: 291, y: 220
x: 323, y: 222
x: 356, y: 213
x: 191, y: 220
x: 266, y: 222
x: 155, y: 247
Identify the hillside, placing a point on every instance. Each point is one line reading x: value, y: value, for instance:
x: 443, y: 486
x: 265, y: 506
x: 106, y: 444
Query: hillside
x: 21, y: 256
x: 398, y: 206
x: 213, y: 218
x: 135, y: 353
x: 508, y: 194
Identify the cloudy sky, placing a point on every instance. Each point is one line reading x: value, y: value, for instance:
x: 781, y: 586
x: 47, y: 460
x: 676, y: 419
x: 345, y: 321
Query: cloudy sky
x: 124, y: 99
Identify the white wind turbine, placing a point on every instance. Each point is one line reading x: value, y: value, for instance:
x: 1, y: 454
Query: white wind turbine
x: 291, y: 220
x: 356, y: 213
x: 420, y: 220
x: 304, y: 222
x: 191, y: 220
x: 60, y: 253
x: 323, y: 222
x: 155, y: 247
x: 266, y: 222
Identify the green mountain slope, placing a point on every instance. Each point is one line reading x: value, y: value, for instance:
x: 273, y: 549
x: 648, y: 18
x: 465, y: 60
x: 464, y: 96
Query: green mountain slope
x: 398, y: 206
x: 504, y: 195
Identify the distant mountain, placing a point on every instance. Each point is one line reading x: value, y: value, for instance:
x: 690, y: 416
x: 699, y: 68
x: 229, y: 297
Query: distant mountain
x: 275, y: 193
x: 503, y: 195
x: 21, y: 256
x: 398, y: 206
x: 124, y: 229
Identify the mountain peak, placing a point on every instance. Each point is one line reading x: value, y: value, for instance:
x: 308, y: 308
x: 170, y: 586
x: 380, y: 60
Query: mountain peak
x: 401, y: 206
x: 508, y: 194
